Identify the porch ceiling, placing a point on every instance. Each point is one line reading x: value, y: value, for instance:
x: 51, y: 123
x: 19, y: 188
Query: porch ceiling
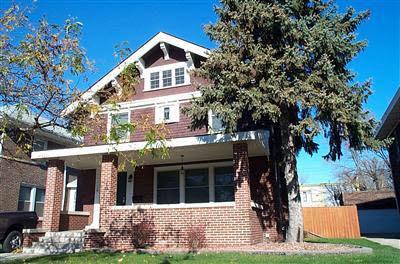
x: 203, y: 148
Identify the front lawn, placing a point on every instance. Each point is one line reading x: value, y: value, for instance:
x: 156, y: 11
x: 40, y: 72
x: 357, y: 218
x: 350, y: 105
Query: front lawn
x: 381, y: 254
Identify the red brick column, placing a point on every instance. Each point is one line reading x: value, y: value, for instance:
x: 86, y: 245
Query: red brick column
x: 242, y: 174
x: 53, y: 198
x: 250, y: 225
x: 108, y: 188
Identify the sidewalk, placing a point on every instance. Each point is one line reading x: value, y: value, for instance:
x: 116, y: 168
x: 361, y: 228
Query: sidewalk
x: 393, y: 242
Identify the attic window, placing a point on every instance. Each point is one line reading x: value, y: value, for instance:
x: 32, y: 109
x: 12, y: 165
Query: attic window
x: 154, y: 80
x: 166, y: 76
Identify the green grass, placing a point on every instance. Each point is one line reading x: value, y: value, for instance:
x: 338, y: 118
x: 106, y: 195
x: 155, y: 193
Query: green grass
x: 381, y: 254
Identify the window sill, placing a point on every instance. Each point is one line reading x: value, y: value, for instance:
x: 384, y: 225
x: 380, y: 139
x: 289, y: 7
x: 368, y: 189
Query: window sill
x: 172, y: 206
x: 164, y: 88
x: 75, y: 213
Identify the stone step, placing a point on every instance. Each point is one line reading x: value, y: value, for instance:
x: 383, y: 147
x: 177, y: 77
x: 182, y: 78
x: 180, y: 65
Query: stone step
x: 58, y: 242
x: 69, y: 234
x: 61, y: 239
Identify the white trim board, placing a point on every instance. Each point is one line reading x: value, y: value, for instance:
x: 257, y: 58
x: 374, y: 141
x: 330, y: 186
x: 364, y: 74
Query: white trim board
x: 259, y: 135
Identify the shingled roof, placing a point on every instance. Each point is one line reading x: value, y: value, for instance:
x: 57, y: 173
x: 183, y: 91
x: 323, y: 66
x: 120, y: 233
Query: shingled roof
x: 370, y: 199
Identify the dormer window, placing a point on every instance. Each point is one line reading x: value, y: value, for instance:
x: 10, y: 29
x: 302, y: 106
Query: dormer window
x: 154, y: 80
x: 180, y: 75
x: 166, y: 76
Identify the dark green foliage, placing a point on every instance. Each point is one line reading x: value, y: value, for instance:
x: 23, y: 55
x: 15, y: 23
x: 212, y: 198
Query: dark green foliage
x: 287, y: 59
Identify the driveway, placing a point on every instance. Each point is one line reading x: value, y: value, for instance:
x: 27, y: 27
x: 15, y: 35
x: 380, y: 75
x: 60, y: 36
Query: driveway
x: 393, y: 242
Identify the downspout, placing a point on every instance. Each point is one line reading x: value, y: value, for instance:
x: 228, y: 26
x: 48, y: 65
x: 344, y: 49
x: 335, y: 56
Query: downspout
x: 63, y: 190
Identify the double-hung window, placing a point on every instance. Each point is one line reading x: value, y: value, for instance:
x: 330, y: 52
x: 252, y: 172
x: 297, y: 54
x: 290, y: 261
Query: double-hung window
x: 224, y: 184
x: 215, y: 122
x: 119, y: 130
x: 154, y: 80
x: 196, y: 186
x: 168, y: 187
x: 179, y: 76
x: 31, y: 199
x: 167, y: 78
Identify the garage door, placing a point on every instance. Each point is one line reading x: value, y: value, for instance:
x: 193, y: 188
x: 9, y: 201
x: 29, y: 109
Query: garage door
x: 379, y: 221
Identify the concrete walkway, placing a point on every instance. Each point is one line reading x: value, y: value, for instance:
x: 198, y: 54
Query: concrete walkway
x: 6, y: 257
x: 393, y: 242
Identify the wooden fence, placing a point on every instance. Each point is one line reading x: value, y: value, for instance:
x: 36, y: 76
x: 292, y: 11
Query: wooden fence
x: 332, y: 222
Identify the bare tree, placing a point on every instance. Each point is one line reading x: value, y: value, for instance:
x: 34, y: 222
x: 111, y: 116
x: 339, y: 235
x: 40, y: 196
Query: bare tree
x: 368, y: 172
x: 334, y: 191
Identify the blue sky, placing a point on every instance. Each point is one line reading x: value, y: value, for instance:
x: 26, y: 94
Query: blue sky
x: 108, y: 22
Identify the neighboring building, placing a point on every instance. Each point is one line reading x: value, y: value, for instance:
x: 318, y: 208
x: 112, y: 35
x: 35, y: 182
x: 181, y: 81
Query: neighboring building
x: 377, y: 212
x: 228, y: 182
x: 22, y: 180
x: 390, y: 128
x: 317, y: 195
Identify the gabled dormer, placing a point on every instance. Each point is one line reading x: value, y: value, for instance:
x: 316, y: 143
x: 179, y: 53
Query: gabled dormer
x: 163, y: 62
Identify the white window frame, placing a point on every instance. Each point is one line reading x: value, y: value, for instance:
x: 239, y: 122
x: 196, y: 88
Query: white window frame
x: 147, y: 73
x: 109, y: 121
x: 174, y: 113
x: 32, y: 195
x: 211, y: 182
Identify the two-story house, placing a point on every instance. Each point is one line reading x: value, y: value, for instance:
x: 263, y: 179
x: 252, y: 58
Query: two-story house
x: 230, y: 183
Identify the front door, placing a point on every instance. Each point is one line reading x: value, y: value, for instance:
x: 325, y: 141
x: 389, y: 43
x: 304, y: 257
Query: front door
x: 121, y: 188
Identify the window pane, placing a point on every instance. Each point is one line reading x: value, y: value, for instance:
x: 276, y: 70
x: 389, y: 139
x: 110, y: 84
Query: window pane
x: 196, y: 186
x: 168, y: 179
x: 216, y: 123
x: 224, y: 184
x: 117, y: 120
x: 197, y: 177
x: 179, y: 76
x: 39, y: 145
x: 24, y: 193
x: 39, y: 195
x: 154, y: 80
x: 23, y: 206
x: 197, y: 195
x: 224, y: 176
x: 166, y: 113
x: 39, y: 208
x: 224, y: 194
x: 167, y: 78
x: 168, y: 196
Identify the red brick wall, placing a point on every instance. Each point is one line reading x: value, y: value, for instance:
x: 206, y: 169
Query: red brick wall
x: 265, y: 192
x: 12, y: 175
x: 73, y: 222
x: 108, y: 187
x: 53, y: 199
x: 143, y: 185
x: 178, y: 129
x: 96, y: 130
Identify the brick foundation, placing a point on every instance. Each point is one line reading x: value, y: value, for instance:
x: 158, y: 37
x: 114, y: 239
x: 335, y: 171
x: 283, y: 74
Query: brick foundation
x: 30, y: 236
x: 73, y: 221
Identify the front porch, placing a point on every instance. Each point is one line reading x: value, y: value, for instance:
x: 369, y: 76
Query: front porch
x: 228, y: 184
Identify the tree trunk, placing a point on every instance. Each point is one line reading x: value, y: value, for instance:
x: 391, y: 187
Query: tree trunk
x: 294, y: 232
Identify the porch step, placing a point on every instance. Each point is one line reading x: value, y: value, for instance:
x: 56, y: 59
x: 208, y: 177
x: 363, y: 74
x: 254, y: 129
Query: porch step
x: 58, y: 242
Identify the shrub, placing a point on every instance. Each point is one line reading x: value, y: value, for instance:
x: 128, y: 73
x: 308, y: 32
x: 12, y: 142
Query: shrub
x: 196, y: 237
x: 143, y: 234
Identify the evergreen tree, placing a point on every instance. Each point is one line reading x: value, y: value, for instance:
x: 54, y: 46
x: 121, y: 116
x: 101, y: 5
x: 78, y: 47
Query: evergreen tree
x: 286, y: 61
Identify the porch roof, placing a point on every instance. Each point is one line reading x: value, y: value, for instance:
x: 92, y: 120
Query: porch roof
x: 198, y: 148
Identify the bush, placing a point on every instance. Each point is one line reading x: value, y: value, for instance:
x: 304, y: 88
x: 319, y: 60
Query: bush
x: 143, y: 234
x: 196, y: 237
